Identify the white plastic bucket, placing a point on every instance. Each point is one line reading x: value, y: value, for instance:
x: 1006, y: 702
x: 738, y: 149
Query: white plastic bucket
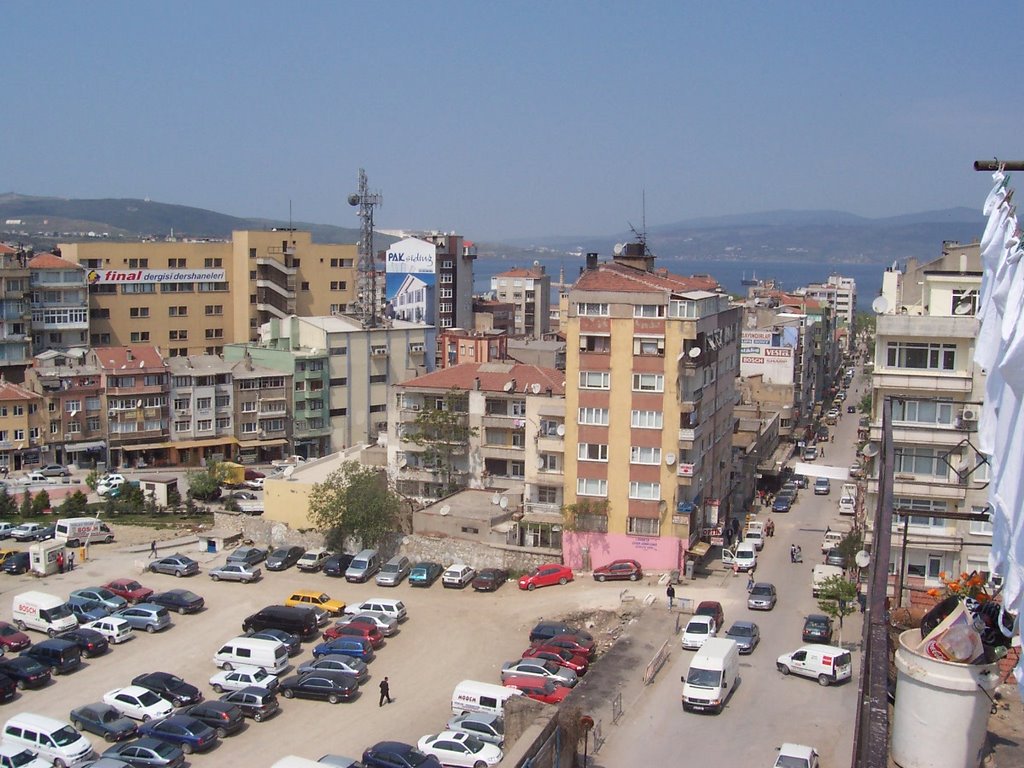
x: 942, y: 709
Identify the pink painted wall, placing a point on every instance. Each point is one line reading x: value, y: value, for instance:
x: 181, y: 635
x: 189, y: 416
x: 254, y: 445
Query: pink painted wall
x: 657, y: 553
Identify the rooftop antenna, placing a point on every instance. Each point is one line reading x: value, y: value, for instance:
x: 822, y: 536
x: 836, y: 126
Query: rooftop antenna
x: 641, y: 236
x: 366, y: 201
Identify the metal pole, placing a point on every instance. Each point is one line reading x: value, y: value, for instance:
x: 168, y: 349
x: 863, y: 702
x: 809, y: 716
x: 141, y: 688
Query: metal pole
x: 903, y: 563
x: 995, y: 165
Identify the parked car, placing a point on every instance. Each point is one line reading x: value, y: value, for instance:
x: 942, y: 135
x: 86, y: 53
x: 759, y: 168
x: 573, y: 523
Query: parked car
x: 539, y: 690
x: 336, y: 565
x: 25, y: 672
x: 101, y: 595
x: 243, y: 677
x: 236, y: 572
x: 782, y: 504
x: 385, y: 624
x: 822, y: 486
x: 711, y: 608
x: 283, y: 558
x: 55, y: 470
x: 796, y: 756
x: 799, y: 481
x: 817, y: 629
x: 424, y: 574
x: 856, y: 469
x: 138, y: 703
x: 257, y: 703
x: 8, y: 689
x: 86, y: 610
x: 103, y: 720
x: 256, y: 483
x: 457, y: 576
x: 320, y: 684
x: 177, y: 565
x: 114, y: 629
x: 368, y: 632
x: 6, y: 528
x: 489, y: 579
x: 243, y: 496
x: 619, y: 570
x: 835, y: 556
x: 147, y: 752
x: 17, y: 564
x: 386, y: 605
x: 147, y: 616
x: 546, y: 670
x: 248, y: 555
x: 576, y: 645
x: 223, y: 717
x: 90, y: 642
x: 746, y: 635
x: 546, y: 630
x: 697, y: 631
x: 352, y: 667
x: 393, y: 571
x: 291, y: 642
x: 560, y: 656
x: 129, y: 589
x: 762, y: 597
x: 460, y: 749
x: 356, y: 647
x: 179, y: 600
x: 395, y: 754
x: 824, y: 663
x: 26, y: 531
x: 187, y: 733
x: 309, y: 598
x: 483, y: 725
x: 545, y: 576
x: 12, y: 638
x: 170, y: 687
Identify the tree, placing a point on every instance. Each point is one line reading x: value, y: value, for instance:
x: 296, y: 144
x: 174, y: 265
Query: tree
x: 41, y: 502
x: 74, y: 504
x: 837, y: 598
x: 8, y: 504
x: 93, y: 479
x: 444, y: 435
x: 205, y: 485
x: 865, y: 403
x: 851, y: 544
x: 354, y: 502
x: 26, y: 504
x: 130, y: 498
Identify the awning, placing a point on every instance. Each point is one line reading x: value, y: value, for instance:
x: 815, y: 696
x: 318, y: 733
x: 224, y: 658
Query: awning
x: 205, y: 443
x: 262, y: 443
x: 86, y: 446
x: 699, y: 549
x: 142, y: 447
x: 552, y: 518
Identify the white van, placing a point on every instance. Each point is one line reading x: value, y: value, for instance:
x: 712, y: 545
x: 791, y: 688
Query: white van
x: 848, y: 499
x: 473, y: 696
x: 42, y: 612
x: 755, y: 536
x: 269, y: 655
x: 75, y: 531
x: 52, y: 739
x: 826, y: 663
x: 743, y: 556
x: 831, y: 539
x: 712, y: 675
x: 820, y: 573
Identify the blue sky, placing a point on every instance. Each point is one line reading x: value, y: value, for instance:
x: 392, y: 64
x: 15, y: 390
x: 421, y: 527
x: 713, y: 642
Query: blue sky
x: 512, y: 119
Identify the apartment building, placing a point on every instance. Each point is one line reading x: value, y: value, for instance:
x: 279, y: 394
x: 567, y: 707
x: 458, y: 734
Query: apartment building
x: 841, y: 293
x: 74, y: 424
x: 194, y: 297
x: 923, y: 364
x: 651, y: 364
x: 21, y: 422
x: 15, y: 313
x: 430, y: 280
x: 490, y: 315
x: 460, y: 346
x: 529, y: 292
x: 60, y: 303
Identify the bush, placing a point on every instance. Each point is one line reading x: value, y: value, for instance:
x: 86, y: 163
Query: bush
x: 26, y: 504
x: 41, y: 502
x: 75, y: 505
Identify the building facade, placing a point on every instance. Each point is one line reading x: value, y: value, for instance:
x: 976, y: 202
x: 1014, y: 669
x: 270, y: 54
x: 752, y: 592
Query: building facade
x: 15, y: 313
x: 60, y: 303
x: 21, y: 427
x: 459, y: 346
x: 529, y: 292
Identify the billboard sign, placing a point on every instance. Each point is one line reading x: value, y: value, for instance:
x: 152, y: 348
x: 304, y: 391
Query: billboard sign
x: 95, y: 276
x: 411, y: 281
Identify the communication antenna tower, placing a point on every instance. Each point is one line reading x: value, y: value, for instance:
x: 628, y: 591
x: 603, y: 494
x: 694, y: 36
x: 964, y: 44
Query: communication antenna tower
x: 366, y: 201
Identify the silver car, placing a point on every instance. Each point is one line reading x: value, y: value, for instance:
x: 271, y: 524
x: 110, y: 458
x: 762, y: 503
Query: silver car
x: 483, y: 725
x: 147, y: 616
x: 386, y: 624
x: 236, y: 572
x: 746, y: 634
x: 546, y: 670
x: 334, y: 662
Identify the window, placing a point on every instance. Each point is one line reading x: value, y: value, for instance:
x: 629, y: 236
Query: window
x: 981, y: 527
x: 549, y: 428
x: 592, y: 522
x: 204, y: 425
x: 648, y: 382
x: 923, y: 412
x: 548, y: 462
x: 213, y: 263
x: 640, y: 455
x: 338, y: 285
x: 648, y: 491
x: 965, y: 302
x: 73, y: 406
x: 138, y: 263
x: 917, y: 460
x: 179, y: 335
x: 648, y: 345
x: 175, y: 263
x: 176, y: 287
x: 591, y: 309
x: 592, y: 452
x: 647, y: 419
x: 547, y: 494
x: 214, y: 309
x: 249, y: 428
x: 139, y: 288
x: 648, y: 310
x: 921, y: 355
x: 100, y: 313
x: 139, y: 336
x: 642, y: 526
x: 600, y: 344
x: 204, y: 403
x: 591, y: 486
x: 177, y: 311
x: 182, y: 426
x: 249, y: 406
x: 215, y: 333
x: 212, y: 287
x: 381, y: 378
x: 595, y: 380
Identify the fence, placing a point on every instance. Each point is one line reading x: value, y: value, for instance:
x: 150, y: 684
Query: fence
x: 655, y: 664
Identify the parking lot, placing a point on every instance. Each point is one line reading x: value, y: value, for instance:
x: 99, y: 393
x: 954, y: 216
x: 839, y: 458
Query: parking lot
x: 450, y: 635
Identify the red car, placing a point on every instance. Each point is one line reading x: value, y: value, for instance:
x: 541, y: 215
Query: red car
x: 619, y: 570
x: 538, y: 689
x: 130, y: 590
x: 577, y: 646
x: 11, y: 639
x: 711, y: 608
x: 546, y: 575
x: 560, y: 656
x: 355, y: 629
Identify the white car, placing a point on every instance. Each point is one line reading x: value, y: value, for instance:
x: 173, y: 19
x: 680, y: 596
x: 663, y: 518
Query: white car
x: 256, y: 484
x: 114, y: 629
x: 109, y: 483
x: 796, y: 756
x: 460, y: 749
x: 387, y: 625
x: 386, y: 605
x: 243, y: 677
x: 138, y: 703
x: 697, y: 631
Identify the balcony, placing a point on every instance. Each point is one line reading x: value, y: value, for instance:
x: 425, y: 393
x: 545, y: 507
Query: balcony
x: 550, y: 444
x: 927, y: 327
x: 690, y: 401
x: 285, y: 267
x: 905, y: 485
x: 902, y: 380
x: 507, y: 452
x: 503, y: 422
x: 946, y: 437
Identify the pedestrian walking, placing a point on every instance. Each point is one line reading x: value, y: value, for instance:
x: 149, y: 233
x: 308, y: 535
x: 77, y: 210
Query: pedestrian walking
x: 832, y: 437
x: 152, y: 549
x: 670, y: 593
x: 792, y: 553
x: 71, y: 560
x: 822, y: 452
x: 750, y: 582
x: 385, y: 692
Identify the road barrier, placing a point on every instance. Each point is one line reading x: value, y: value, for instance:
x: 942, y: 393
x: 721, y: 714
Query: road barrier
x: 655, y: 664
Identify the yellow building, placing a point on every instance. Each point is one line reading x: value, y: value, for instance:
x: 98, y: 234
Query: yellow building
x: 195, y: 297
x: 21, y: 421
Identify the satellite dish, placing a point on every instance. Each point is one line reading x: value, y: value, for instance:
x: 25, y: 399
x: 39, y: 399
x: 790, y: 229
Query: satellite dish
x: 560, y: 429
x: 445, y: 510
x: 880, y: 305
x: 694, y: 352
x: 496, y: 499
x: 509, y: 386
x: 503, y: 503
x: 540, y: 463
x: 964, y: 308
x: 870, y: 450
x: 353, y: 199
x: 862, y: 559
x: 289, y: 471
x: 403, y: 462
x: 670, y: 459
x: 535, y: 388
x: 618, y: 249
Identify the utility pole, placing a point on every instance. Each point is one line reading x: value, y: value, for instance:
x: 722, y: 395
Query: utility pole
x: 366, y: 201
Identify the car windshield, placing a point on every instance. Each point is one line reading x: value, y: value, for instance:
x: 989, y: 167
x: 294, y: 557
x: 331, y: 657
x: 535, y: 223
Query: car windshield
x: 474, y: 744
x: 551, y: 667
x: 66, y: 735
x: 707, y: 678
x: 697, y: 628
x: 762, y: 590
x: 7, y: 631
x: 280, y: 553
x: 25, y: 757
x: 790, y: 761
x: 148, y: 699
x: 260, y: 674
x: 109, y: 716
x: 185, y: 595
x: 414, y: 757
x: 165, y: 749
x: 740, y: 630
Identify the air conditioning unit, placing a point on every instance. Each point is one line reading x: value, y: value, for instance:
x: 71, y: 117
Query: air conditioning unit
x: 68, y: 436
x: 379, y: 351
x: 969, y: 414
x: 415, y: 347
x: 415, y: 406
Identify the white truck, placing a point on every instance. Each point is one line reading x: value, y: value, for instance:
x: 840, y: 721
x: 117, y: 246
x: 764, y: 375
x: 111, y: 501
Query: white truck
x: 712, y: 675
x: 822, y: 572
x: 42, y: 612
x: 848, y: 499
x: 76, y: 531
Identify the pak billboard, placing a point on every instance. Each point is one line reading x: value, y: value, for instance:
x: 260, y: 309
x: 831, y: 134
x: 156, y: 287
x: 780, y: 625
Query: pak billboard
x: 411, y: 281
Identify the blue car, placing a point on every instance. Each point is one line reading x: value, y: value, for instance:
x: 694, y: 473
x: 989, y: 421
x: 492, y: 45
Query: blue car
x: 186, y: 733
x: 86, y: 609
x: 782, y: 504
x: 356, y: 647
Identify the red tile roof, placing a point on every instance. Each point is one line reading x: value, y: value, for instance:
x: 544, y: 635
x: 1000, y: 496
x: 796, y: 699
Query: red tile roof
x: 6, y: 249
x: 52, y: 261
x: 493, y: 378
x: 522, y: 272
x: 610, y: 276
x: 9, y: 391
x: 116, y: 358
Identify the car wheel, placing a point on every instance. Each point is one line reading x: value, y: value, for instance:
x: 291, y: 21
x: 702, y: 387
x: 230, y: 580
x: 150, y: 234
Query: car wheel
x: 51, y: 632
x: 600, y: 577
x: 824, y: 681
x: 258, y: 717
x: 58, y: 763
x: 21, y: 685
x: 215, y: 577
x: 146, y: 718
x: 634, y: 576
x: 531, y: 586
x: 783, y: 669
x: 106, y: 737
x: 227, y: 666
x: 333, y: 699
x: 151, y: 628
x: 222, y: 732
x: 181, y: 610
x: 479, y: 764
x: 54, y: 671
x: 186, y: 748
x: 79, y: 725
x: 288, y: 693
x: 218, y: 688
x: 20, y: 624
x: 563, y: 581
x: 178, y: 573
x: 152, y: 569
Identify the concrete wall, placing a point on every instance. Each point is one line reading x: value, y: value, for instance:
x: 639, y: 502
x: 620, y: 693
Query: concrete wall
x: 655, y: 552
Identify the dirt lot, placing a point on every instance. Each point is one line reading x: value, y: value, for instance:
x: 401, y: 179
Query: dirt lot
x: 450, y: 636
